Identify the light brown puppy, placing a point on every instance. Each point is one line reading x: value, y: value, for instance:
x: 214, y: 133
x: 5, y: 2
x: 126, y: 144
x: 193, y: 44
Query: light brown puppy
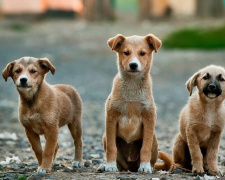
x: 44, y: 108
x: 202, y: 122
x: 129, y: 141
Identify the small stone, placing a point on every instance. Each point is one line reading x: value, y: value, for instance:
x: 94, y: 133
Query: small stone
x: 219, y: 158
x: 101, y: 168
x: 87, y: 163
x: 155, y: 179
x: 197, y: 177
x: 164, y: 178
x: 67, y: 169
x: 223, y: 163
x: 177, y: 171
x: 134, y: 177
x: 15, y: 167
x: 9, y: 176
x: 86, y: 156
x: 96, y: 161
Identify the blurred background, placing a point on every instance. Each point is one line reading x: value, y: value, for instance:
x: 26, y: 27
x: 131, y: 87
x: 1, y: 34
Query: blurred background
x: 73, y: 34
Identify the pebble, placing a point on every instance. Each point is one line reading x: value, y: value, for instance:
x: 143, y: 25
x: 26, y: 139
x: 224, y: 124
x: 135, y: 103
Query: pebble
x: 96, y: 161
x: 155, y: 179
x: 67, y: 169
x: 164, y: 178
x: 177, y: 171
x: 198, y: 177
x: 87, y: 163
x: 223, y: 163
x: 86, y: 156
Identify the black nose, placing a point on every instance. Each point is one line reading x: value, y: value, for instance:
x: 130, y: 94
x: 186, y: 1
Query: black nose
x: 133, y: 66
x: 23, y: 80
x: 212, y: 86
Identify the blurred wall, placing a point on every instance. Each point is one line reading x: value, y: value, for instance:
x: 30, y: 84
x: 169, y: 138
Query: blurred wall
x: 39, y: 6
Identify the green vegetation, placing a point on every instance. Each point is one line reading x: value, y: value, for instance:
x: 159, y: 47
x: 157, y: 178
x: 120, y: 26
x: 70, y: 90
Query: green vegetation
x: 196, y: 39
x: 19, y: 26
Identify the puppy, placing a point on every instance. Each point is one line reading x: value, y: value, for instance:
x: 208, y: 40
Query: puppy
x: 202, y: 122
x: 44, y: 108
x: 129, y: 140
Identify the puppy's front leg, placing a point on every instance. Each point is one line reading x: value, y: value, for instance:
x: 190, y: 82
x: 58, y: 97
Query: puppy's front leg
x: 111, y: 150
x: 148, y: 118
x: 212, y: 152
x: 35, y: 142
x: 51, y: 136
x: 195, y: 151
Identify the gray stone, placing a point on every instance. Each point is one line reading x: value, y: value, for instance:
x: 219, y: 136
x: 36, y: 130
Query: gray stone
x: 96, y: 161
x: 86, y: 156
x: 164, y: 178
x: 67, y: 169
x: 87, y: 163
x: 177, y: 171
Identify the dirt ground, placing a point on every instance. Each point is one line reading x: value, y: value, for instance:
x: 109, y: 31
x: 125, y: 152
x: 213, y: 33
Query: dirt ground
x: 82, y: 58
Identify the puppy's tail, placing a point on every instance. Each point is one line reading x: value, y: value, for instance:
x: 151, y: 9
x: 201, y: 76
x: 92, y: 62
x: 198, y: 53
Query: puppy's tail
x: 167, y: 163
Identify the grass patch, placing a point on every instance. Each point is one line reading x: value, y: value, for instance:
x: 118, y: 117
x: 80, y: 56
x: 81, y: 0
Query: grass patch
x: 196, y: 39
x: 20, y: 27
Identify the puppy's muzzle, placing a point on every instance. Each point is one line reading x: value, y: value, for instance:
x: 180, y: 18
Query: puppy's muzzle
x: 23, y: 83
x: 212, y: 90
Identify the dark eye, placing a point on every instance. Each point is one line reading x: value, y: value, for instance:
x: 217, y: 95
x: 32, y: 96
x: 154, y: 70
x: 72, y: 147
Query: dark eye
x: 127, y: 53
x: 206, y: 77
x: 33, y: 71
x: 142, y: 53
x: 221, y: 78
x: 18, y: 71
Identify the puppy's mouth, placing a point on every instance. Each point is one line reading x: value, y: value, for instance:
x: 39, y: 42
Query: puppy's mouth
x: 24, y: 87
x: 212, y: 94
x: 133, y: 72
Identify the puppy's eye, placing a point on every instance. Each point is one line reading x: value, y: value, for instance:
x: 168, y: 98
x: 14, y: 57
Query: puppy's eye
x: 33, y: 71
x: 18, y: 71
x: 206, y: 77
x: 142, y: 53
x: 127, y: 53
x: 221, y: 78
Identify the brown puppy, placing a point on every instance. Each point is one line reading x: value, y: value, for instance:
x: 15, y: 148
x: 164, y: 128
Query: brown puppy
x: 129, y: 141
x: 44, y: 108
x: 202, y: 122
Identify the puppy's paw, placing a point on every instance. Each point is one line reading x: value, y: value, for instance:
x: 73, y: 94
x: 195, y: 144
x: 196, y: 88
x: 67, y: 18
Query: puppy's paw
x: 198, y: 169
x: 111, y: 167
x: 77, y: 164
x: 214, y: 172
x: 145, y: 167
x: 41, y: 171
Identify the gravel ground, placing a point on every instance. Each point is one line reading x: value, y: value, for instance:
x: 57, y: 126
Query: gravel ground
x: 82, y: 58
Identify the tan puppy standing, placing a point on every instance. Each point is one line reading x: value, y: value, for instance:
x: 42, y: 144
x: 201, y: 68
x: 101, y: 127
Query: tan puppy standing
x: 201, y: 122
x: 129, y: 141
x: 44, y: 108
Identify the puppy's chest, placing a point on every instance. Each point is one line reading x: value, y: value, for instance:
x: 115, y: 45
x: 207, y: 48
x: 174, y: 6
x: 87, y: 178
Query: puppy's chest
x: 33, y: 121
x: 130, y: 122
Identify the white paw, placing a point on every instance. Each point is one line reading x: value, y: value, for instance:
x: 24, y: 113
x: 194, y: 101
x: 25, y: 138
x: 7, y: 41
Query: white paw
x: 41, y: 171
x: 111, y: 167
x: 77, y: 164
x: 145, y: 167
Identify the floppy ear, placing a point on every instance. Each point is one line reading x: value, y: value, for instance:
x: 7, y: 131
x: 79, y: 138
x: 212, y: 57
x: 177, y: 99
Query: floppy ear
x: 7, y: 72
x: 153, y: 42
x: 116, y: 42
x: 46, y: 65
x: 192, y: 82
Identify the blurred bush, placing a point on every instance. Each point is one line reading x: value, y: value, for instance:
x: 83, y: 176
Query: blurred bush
x: 196, y: 39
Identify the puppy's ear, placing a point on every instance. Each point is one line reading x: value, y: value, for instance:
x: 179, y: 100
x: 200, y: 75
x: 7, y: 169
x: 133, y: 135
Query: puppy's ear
x: 192, y: 82
x: 46, y: 65
x: 116, y: 42
x: 153, y: 42
x: 7, y: 72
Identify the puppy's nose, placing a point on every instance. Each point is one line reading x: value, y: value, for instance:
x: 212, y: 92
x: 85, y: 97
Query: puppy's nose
x: 133, y: 66
x: 23, y: 80
x: 212, y: 86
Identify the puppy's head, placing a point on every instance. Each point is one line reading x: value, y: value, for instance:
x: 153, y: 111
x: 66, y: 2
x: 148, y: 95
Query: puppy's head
x: 28, y: 72
x: 210, y: 81
x: 134, y: 52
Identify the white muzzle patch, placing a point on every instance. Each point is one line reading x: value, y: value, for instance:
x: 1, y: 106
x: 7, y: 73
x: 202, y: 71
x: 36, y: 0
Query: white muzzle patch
x: 136, y: 60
